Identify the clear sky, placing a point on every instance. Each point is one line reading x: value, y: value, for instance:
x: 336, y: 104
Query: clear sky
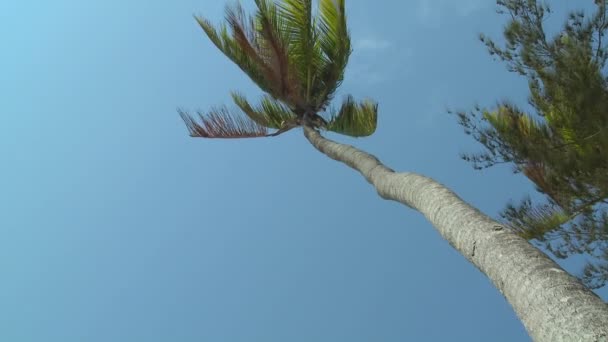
x: 116, y: 226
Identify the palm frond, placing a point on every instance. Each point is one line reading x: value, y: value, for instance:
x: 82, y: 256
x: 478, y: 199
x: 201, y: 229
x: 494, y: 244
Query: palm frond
x: 304, y: 51
x: 273, y: 43
x: 270, y: 113
x: 239, y: 45
x: 334, y: 42
x: 355, y: 119
x: 221, y: 123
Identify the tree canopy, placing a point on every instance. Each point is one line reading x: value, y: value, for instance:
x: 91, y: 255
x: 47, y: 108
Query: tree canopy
x: 297, y: 59
x: 561, y: 144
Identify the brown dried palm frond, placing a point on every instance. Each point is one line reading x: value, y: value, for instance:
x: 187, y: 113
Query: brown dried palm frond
x: 221, y: 123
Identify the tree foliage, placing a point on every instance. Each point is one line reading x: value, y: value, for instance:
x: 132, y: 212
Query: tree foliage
x: 561, y: 145
x: 297, y: 59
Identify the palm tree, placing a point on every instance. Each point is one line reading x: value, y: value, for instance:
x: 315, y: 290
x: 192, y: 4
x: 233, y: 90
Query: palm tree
x: 299, y: 61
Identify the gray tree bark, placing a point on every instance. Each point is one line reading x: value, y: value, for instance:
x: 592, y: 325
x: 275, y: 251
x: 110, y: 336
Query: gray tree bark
x: 552, y: 305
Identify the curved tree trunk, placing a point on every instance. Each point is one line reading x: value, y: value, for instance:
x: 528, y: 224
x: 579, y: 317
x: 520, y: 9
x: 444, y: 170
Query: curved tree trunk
x: 552, y: 305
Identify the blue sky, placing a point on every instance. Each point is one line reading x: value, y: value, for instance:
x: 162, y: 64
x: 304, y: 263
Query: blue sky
x: 116, y: 226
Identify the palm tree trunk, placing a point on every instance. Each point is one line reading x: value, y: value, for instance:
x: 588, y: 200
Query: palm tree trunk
x: 552, y: 305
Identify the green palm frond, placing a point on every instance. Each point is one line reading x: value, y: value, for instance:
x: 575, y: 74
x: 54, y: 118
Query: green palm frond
x: 355, y: 119
x: 270, y: 113
x: 334, y: 42
x: 221, y: 123
x: 304, y: 52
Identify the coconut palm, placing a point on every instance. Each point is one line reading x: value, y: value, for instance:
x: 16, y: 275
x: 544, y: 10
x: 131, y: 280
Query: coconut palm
x: 299, y: 62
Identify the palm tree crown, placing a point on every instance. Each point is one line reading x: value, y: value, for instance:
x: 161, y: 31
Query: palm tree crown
x: 297, y: 59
